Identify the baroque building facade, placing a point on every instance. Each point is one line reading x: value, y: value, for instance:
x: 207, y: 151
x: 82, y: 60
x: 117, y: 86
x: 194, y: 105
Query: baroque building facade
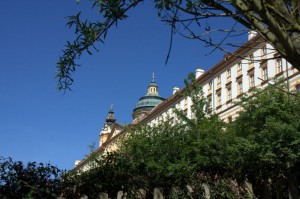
x: 253, y: 65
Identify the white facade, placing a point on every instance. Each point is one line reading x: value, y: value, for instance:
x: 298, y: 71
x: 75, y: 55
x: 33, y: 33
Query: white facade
x: 230, y: 78
x: 253, y: 65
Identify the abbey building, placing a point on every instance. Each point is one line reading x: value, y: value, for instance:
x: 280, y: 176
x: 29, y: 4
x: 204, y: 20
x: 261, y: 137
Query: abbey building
x: 254, y: 64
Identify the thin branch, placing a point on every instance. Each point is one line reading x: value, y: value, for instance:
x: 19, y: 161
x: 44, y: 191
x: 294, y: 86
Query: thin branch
x: 171, y: 36
x: 286, y: 92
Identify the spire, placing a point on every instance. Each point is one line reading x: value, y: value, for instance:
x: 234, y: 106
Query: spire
x: 111, y: 117
x: 153, y: 78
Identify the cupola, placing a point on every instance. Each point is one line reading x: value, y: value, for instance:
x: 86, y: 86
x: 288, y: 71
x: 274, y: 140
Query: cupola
x: 147, y: 102
x: 106, y: 129
x: 111, y: 117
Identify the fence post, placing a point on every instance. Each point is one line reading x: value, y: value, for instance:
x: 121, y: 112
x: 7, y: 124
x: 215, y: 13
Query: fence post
x: 102, y: 196
x: 207, y: 191
x: 141, y: 194
x: 158, y: 193
x: 121, y: 195
x: 189, y: 191
x: 174, y: 192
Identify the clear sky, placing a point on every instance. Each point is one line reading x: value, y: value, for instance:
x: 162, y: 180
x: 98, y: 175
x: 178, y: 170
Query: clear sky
x: 38, y: 123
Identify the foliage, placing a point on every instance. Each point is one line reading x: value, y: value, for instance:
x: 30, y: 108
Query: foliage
x: 270, y: 124
x: 111, y: 175
x: 87, y: 34
x: 35, y: 180
x: 277, y: 21
x: 167, y: 156
x: 260, y: 147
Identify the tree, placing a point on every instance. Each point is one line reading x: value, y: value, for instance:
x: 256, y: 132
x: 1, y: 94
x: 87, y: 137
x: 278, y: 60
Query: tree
x: 31, y: 181
x: 261, y: 147
x: 195, y: 151
x: 191, y: 152
x: 114, y: 172
x: 269, y: 125
x: 278, y: 21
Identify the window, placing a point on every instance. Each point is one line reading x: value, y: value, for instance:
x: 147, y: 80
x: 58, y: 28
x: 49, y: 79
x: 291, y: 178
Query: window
x: 162, y: 119
x: 185, y: 103
x: 209, y: 101
x: 228, y: 73
x: 240, y: 87
x: 185, y: 112
x: 279, y: 65
x: 251, y: 81
x: 229, y: 118
x: 219, y: 100
x: 239, y: 67
x: 298, y: 88
x: 264, y: 51
x: 172, y: 120
x: 219, y: 81
x: 229, y: 94
x: 251, y: 59
x: 265, y: 73
x: 209, y: 86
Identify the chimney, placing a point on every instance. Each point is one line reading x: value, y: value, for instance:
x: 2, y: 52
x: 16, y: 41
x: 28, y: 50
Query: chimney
x: 199, y: 72
x: 175, y: 89
x: 251, y: 34
x: 77, y: 162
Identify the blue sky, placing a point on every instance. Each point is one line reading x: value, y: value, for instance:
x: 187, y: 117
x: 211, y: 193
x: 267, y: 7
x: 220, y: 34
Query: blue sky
x: 38, y: 123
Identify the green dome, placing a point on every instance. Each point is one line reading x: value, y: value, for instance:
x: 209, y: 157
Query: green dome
x: 147, y: 102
